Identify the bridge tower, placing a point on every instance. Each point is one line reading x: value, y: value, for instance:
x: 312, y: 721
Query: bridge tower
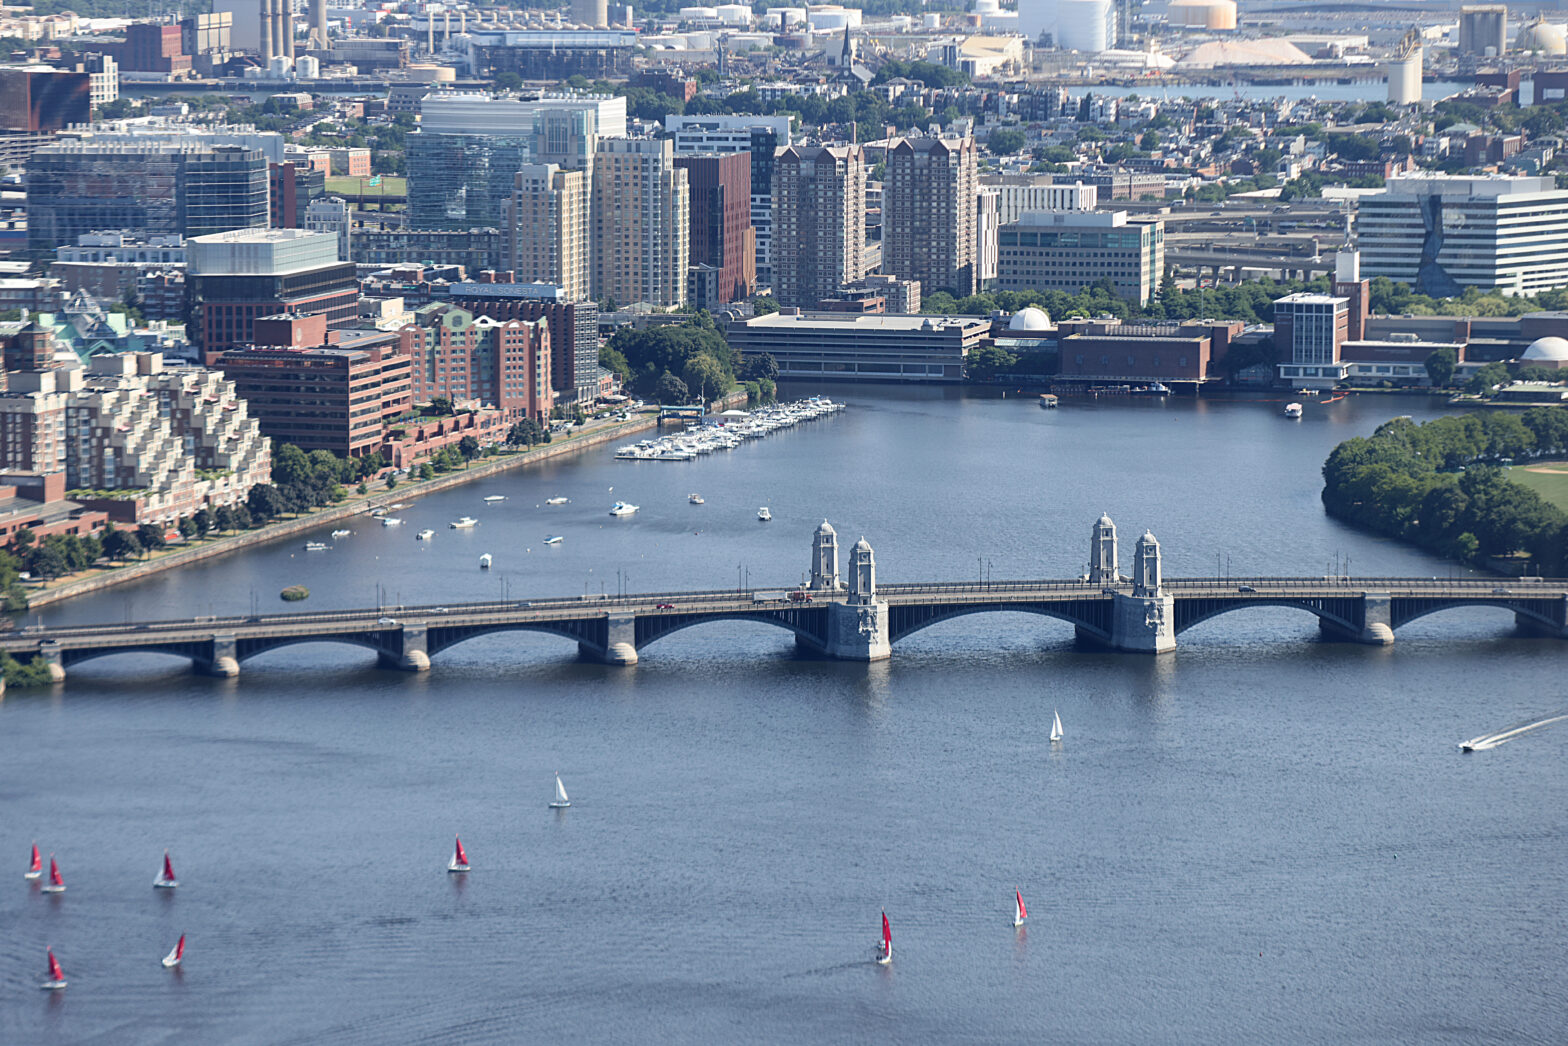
x: 857, y: 627
x: 1144, y: 622
x: 1146, y: 567
x: 824, y: 560
x: 1102, y: 553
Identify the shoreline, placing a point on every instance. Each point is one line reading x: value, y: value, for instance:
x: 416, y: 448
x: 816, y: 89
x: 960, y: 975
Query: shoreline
x: 354, y: 505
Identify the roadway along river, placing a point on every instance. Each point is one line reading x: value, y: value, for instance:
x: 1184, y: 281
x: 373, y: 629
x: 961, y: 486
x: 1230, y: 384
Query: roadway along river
x: 1259, y: 838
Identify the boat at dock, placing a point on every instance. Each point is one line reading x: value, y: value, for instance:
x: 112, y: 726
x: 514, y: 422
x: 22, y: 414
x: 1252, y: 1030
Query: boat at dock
x: 1049, y: 401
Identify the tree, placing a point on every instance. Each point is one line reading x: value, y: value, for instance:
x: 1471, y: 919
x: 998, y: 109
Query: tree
x: 46, y: 561
x: 1006, y: 142
x: 508, y: 81
x: 765, y: 305
x: 525, y: 433
x: 671, y: 390
x: 391, y: 480
x: 468, y: 446
x: 24, y: 538
x: 264, y: 502
x: 1482, y: 381
x: 440, y: 405
x: 705, y: 374
x: 223, y: 519
x: 762, y: 365
x: 151, y: 536
x: 1440, y: 366
x: 121, y: 544
x: 426, y: 472
x: 203, y: 521
x: 988, y: 361
x: 187, y: 528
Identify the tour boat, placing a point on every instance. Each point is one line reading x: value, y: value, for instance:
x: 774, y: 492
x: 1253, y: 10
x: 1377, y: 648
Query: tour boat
x: 466, y: 523
x: 55, y: 884
x: 560, y: 802
x: 56, y: 979
x: 166, y: 879
x: 175, y: 957
x: 557, y: 501
x: 1020, y: 913
x: 621, y: 508
x: 425, y: 535
x: 493, y: 498
x: 459, y: 861
x: 35, y: 867
x: 484, y: 561
x: 763, y: 514
x: 695, y: 499
x: 391, y: 521
x: 316, y: 546
x: 1056, y: 726
x: 1292, y: 410
x: 885, y: 945
x: 341, y: 533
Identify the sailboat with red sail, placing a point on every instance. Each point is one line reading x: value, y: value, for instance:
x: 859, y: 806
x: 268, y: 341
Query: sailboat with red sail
x: 175, y: 957
x: 459, y: 862
x: 35, y: 867
x: 166, y: 879
x: 55, y: 883
x: 1020, y: 913
x: 56, y: 979
x: 885, y: 945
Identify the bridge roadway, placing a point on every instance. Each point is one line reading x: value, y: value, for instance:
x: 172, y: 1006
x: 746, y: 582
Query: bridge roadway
x: 613, y: 628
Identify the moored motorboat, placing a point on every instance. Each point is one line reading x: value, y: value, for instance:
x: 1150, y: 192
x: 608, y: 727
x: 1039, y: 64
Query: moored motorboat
x: 1292, y: 410
x: 557, y: 501
x: 341, y: 533
x: 166, y: 879
x: 695, y: 499
x: 176, y: 955
x: 316, y: 546
x: 391, y: 521
x: 459, y: 861
x: 425, y: 535
x: 485, y: 561
x: 763, y: 515
x: 560, y: 802
x: 493, y: 498
x: 553, y: 539
x: 621, y: 508
x: 465, y: 523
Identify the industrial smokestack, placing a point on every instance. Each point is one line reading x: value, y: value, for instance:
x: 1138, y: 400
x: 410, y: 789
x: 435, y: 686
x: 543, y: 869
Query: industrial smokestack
x: 287, y: 7
x: 279, y: 41
x: 265, y: 9
x: 318, y: 24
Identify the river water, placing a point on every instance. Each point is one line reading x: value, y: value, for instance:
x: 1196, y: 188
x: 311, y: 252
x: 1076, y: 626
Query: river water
x: 1262, y: 837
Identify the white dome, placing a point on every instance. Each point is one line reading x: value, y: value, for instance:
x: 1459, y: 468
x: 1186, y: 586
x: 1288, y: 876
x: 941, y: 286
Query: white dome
x: 1543, y: 37
x: 1029, y: 319
x: 825, y: 528
x: 1550, y: 349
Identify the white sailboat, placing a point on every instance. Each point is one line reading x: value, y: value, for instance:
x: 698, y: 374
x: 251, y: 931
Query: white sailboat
x: 166, y: 879
x: 459, y: 861
x: 1020, y: 913
x: 176, y: 954
x: 1056, y: 726
x: 560, y: 802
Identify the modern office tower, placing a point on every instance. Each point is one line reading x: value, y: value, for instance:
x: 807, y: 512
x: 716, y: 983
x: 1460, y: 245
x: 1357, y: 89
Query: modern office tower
x: 762, y: 137
x: 1018, y: 194
x: 499, y: 363
x: 721, y: 232
x: 640, y: 222
x: 294, y: 187
x: 988, y: 234
x: 1443, y: 233
x: 469, y: 147
x: 819, y: 214
x: 1070, y: 250
x: 929, y: 213
x: 148, y: 188
x: 545, y: 228
x: 234, y: 278
x: 1483, y: 30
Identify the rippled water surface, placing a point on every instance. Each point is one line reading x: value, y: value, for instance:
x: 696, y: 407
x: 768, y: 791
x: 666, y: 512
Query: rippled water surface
x: 1260, y: 838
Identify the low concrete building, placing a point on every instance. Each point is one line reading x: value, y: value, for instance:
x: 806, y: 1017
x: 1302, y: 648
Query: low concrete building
x: 849, y: 347
x: 1070, y: 250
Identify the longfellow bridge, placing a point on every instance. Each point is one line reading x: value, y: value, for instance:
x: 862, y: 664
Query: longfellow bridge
x: 852, y: 618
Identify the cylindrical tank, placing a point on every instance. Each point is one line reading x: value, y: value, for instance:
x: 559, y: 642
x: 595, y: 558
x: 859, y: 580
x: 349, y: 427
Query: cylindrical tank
x: 1213, y: 15
x: 931, y: 21
x: 789, y: 15
x: 691, y: 14
x: 307, y: 68
x: 734, y: 14
x: 430, y: 73
x: 1084, y: 25
x: 278, y: 68
x: 828, y: 19
x: 1404, y: 79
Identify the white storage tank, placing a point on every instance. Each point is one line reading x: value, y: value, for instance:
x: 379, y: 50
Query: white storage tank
x: 790, y: 15
x: 1404, y: 79
x: 278, y: 66
x: 307, y: 68
x: 1085, y: 26
x: 734, y: 14
x: 693, y: 14
x: 932, y: 21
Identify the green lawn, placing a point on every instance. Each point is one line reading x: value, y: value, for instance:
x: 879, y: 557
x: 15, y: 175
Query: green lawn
x: 1553, y: 486
x: 390, y: 186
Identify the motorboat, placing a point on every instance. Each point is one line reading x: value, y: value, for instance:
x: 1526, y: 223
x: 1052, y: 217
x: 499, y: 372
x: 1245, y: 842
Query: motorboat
x: 425, y: 535
x: 391, y: 521
x: 695, y: 499
x: 764, y: 515
x: 553, y: 539
x: 557, y: 501
x: 1292, y: 410
x: 1020, y: 913
x: 35, y: 867
x: 459, y: 861
x: 493, y: 498
x: 56, y: 979
x: 466, y: 523
x: 316, y: 546
x: 341, y: 533
x: 166, y: 879
x: 55, y: 883
x: 885, y: 945
x: 560, y: 802
x: 621, y: 508
x: 484, y: 561
x: 176, y: 955
x: 1056, y: 726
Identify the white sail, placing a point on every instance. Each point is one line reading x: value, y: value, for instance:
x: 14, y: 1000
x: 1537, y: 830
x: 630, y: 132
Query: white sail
x: 1056, y: 726
x: 560, y: 790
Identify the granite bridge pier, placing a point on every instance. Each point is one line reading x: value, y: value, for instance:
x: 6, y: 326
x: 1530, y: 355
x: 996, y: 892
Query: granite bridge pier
x: 848, y: 617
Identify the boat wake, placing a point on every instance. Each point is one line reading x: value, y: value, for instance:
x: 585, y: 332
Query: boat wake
x: 1486, y: 741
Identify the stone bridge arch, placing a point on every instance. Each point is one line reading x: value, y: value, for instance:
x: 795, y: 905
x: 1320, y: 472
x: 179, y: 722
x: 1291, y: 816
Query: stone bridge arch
x: 1090, y: 618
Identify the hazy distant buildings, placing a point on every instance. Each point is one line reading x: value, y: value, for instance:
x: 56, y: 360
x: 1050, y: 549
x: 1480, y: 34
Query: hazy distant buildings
x: 929, y: 214
x: 640, y: 223
x: 819, y: 213
x: 1483, y: 30
x: 1443, y: 233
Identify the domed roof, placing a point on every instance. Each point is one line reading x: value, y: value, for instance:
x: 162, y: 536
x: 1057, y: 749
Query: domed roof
x: 862, y: 544
x: 1548, y: 348
x: 1543, y: 37
x: 826, y: 528
x: 1148, y: 538
x: 1104, y: 521
x: 1029, y: 319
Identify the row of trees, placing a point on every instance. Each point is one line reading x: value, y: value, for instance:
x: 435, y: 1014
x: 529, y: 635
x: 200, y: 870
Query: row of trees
x: 674, y: 363
x: 1251, y: 302
x: 1438, y: 485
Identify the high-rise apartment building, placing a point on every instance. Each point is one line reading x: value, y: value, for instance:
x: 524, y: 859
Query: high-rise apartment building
x: 498, y: 363
x: 929, y: 213
x: 1443, y: 233
x: 721, y: 232
x: 760, y: 136
x: 574, y: 328
x: 640, y: 222
x: 148, y: 189
x: 819, y: 214
x: 545, y: 227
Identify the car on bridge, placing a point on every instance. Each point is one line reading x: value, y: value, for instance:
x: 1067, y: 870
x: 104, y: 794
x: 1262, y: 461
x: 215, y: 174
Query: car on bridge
x: 664, y: 606
x: 1245, y: 588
